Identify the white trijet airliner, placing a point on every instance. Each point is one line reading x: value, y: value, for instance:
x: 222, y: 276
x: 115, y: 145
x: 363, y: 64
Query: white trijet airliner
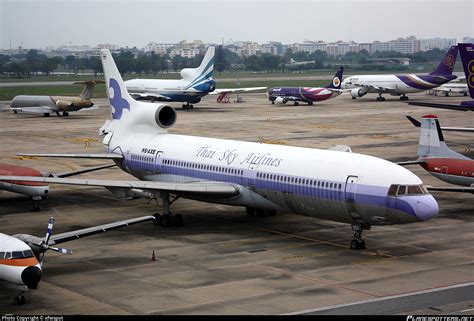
x: 400, y: 85
x: 195, y: 84
x: 19, y: 254
x: 334, y: 185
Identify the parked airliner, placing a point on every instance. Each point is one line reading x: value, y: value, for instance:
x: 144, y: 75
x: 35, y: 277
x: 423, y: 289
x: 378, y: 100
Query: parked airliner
x: 55, y: 104
x: 21, y: 255
x: 195, y: 84
x: 400, y: 85
x: 309, y: 95
x: 439, y: 160
x: 36, y: 190
x: 466, y: 51
x: 334, y: 185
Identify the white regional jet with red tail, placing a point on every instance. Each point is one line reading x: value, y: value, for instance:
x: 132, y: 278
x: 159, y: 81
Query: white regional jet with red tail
x: 334, y: 185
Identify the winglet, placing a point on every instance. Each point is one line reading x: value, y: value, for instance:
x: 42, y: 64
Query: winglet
x: 413, y: 121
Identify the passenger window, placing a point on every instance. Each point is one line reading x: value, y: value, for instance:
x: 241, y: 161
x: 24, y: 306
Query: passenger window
x: 8, y: 255
x: 2, y: 255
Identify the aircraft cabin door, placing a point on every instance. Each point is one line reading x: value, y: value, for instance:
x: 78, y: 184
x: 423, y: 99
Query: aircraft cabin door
x: 252, y: 174
x: 351, y: 186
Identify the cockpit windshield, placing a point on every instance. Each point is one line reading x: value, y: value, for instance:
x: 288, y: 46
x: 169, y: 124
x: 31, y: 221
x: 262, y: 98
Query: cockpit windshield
x: 406, y: 190
x: 16, y: 254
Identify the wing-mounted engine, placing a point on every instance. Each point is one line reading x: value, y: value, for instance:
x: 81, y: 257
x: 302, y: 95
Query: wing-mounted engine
x: 281, y: 100
x: 358, y: 92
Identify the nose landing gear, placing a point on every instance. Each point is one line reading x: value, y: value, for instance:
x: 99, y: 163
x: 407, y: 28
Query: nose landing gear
x: 357, y: 242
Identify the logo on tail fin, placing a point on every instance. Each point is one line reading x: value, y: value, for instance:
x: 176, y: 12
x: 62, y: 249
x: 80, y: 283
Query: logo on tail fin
x: 336, y: 82
x: 470, y: 73
x: 449, y: 61
x: 117, y: 102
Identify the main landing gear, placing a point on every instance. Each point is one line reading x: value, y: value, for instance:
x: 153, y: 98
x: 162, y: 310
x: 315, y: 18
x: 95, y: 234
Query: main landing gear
x: 403, y: 97
x: 310, y: 103
x: 357, y: 242
x: 296, y: 103
x: 187, y: 106
x: 168, y: 219
x: 259, y: 212
x: 380, y: 98
x: 19, y: 299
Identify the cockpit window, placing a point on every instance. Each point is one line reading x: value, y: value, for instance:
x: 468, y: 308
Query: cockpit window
x: 28, y: 253
x: 400, y: 190
x: 17, y: 254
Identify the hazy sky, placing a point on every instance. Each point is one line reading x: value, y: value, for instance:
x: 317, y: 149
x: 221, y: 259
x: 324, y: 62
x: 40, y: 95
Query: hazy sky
x: 40, y: 23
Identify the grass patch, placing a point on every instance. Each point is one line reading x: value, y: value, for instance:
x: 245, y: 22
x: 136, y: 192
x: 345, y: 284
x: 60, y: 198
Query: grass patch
x: 7, y: 93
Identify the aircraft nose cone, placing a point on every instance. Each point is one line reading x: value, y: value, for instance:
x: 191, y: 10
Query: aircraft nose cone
x: 426, y: 208
x: 31, y: 276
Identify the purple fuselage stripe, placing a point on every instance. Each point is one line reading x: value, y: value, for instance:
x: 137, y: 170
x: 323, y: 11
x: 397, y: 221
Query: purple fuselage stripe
x: 366, y: 194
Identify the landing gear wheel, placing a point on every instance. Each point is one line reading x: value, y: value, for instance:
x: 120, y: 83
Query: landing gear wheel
x: 296, y: 103
x: 250, y: 211
x: 403, y: 97
x: 358, y: 244
x: 273, y: 102
x: 65, y: 113
x: 158, y: 219
x: 353, y: 98
x: 178, y: 220
x: 15, y: 111
x: 36, y: 207
x: 310, y: 103
x: 46, y: 115
x: 167, y: 220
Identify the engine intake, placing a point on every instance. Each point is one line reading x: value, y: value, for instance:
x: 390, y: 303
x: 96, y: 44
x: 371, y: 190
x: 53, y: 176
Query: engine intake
x: 165, y: 116
x: 358, y: 92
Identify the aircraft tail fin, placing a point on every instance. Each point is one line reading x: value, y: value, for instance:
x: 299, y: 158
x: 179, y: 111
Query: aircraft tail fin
x: 337, y: 79
x: 129, y: 115
x: 119, y: 98
x: 466, y: 50
x: 86, y: 93
x: 432, y: 142
x: 203, y: 73
x: 446, y: 65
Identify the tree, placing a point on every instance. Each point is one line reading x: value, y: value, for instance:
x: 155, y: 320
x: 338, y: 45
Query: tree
x: 221, y: 63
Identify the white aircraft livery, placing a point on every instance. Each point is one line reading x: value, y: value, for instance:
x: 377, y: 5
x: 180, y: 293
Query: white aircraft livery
x: 194, y: 84
x: 329, y: 184
x: 400, y: 85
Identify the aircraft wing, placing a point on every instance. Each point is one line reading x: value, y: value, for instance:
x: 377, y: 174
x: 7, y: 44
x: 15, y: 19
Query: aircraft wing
x: 443, y: 106
x: 413, y: 162
x: 236, y: 90
x: 197, y: 188
x: 456, y: 189
x: 149, y: 96
x: 376, y: 88
x: 82, y: 171
x: 417, y: 123
x: 93, y: 156
x: 38, y: 109
x: 77, y: 234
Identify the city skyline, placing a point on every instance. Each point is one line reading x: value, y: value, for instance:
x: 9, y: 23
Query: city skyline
x: 125, y: 23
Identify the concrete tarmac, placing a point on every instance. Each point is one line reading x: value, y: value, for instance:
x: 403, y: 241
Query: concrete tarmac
x: 222, y: 261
